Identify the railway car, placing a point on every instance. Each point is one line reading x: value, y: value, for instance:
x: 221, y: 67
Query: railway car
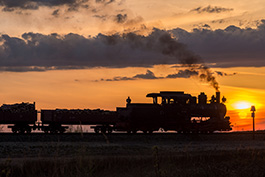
x: 53, y: 120
x: 22, y: 116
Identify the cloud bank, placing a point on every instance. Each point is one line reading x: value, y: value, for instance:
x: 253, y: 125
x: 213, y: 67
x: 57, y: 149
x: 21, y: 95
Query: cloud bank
x: 35, y: 4
x: 118, y: 50
x: 231, y: 47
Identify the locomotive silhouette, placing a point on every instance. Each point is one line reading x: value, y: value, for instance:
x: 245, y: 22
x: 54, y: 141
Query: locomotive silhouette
x: 170, y: 111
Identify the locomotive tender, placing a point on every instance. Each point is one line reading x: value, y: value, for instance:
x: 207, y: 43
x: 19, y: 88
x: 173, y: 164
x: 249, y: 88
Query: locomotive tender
x: 174, y: 111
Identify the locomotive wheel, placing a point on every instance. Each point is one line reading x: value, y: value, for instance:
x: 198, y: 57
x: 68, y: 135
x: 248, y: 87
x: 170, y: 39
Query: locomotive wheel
x: 150, y: 131
x: 128, y: 131
x: 53, y: 131
x: 14, y: 130
x: 28, y: 130
x: 144, y: 131
x: 134, y: 131
x: 109, y: 130
x: 22, y: 131
x: 96, y: 130
x: 103, y: 130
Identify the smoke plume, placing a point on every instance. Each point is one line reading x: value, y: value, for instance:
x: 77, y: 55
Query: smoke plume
x: 171, y: 47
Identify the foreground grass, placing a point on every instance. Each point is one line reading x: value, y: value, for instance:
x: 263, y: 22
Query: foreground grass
x: 157, y: 163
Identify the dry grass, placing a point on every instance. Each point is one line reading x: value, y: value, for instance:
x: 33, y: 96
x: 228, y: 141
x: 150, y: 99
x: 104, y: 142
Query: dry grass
x: 135, y: 156
x: 159, y: 164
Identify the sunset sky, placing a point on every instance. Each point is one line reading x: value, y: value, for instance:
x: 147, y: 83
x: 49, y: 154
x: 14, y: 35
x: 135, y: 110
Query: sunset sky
x: 96, y: 53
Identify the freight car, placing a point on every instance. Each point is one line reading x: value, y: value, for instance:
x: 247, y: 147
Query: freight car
x: 23, y: 116
x: 176, y: 111
x: 52, y: 120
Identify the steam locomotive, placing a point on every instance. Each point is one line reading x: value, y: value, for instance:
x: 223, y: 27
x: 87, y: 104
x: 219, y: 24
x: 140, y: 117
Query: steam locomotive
x: 175, y: 111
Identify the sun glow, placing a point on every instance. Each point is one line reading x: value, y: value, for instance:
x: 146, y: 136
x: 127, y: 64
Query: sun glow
x: 243, y: 108
x: 242, y: 105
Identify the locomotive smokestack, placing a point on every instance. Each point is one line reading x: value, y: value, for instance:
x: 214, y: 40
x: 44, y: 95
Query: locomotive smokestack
x: 217, y: 97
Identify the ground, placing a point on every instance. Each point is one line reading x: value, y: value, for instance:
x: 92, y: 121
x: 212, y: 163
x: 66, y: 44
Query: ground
x: 146, y: 155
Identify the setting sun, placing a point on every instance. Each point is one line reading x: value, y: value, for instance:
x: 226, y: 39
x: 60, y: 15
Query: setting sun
x: 242, y: 105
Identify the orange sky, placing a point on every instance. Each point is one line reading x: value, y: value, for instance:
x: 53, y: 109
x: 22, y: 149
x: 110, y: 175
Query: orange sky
x: 79, y: 89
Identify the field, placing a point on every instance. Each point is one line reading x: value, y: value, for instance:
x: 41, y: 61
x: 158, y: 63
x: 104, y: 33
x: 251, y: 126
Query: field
x: 143, y: 155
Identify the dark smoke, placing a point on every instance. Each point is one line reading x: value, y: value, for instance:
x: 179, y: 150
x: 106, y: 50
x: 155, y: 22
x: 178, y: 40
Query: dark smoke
x: 207, y: 76
x: 187, y: 58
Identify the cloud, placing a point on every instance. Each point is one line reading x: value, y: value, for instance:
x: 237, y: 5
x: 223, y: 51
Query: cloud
x: 102, y: 17
x: 219, y: 73
x: 106, y: 2
x: 118, y: 50
x: 119, y: 18
x: 56, y: 12
x: 39, y: 68
x: 148, y: 75
x: 211, y: 9
x: 229, y: 47
x: 184, y: 74
x: 35, y: 4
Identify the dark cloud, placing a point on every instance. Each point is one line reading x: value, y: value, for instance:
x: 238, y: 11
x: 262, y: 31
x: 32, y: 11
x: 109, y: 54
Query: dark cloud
x: 120, y: 18
x: 106, y: 2
x: 11, y: 5
x: 102, y: 17
x: 219, y: 73
x: 230, y: 47
x: 35, y: 49
x: 56, y: 12
x: 211, y: 9
x: 148, y: 75
x: 184, y: 74
x: 219, y: 21
x: 39, y: 68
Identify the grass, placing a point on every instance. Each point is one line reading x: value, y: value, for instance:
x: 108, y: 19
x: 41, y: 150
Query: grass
x: 123, y: 155
x: 159, y: 164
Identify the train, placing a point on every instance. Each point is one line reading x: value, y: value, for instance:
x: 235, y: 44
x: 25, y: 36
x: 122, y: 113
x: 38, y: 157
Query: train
x: 169, y: 111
